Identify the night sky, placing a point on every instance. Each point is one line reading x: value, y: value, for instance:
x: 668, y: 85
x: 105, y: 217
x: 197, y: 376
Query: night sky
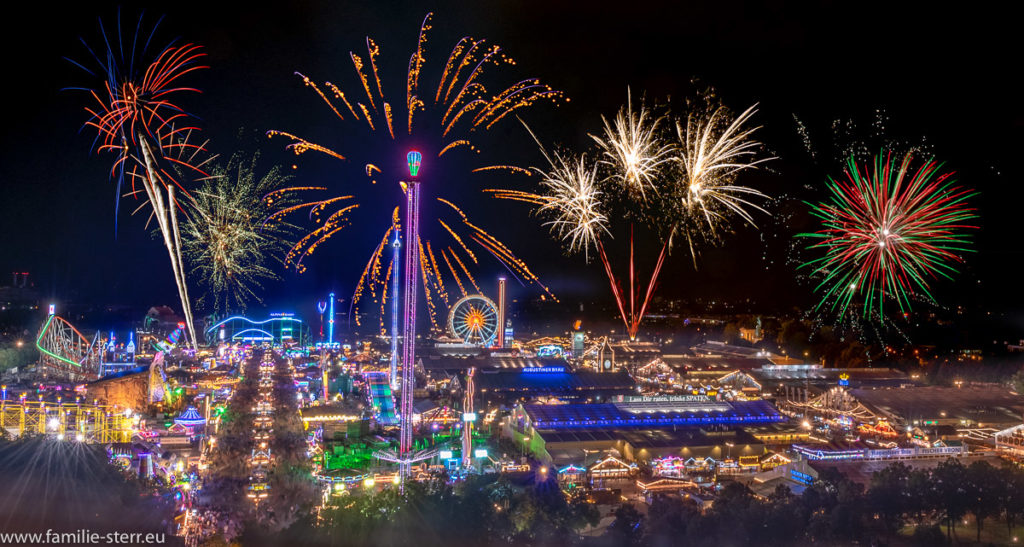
x: 947, y: 76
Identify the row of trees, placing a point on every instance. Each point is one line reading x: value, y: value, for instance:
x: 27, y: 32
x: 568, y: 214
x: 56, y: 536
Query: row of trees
x: 14, y: 355
x: 834, y: 509
x: 479, y: 511
x: 223, y: 493
x: 291, y: 487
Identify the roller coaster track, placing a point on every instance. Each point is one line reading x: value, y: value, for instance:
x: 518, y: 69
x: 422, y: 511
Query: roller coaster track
x: 66, y: 352
x: 79, y: 422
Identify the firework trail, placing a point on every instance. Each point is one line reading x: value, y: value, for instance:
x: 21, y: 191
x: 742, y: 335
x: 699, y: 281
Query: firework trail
x: 888, y: 230
x: 441, y: 121
x: 135, y: 117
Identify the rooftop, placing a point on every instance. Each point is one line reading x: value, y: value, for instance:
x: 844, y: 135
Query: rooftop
x: 650, y: 437
x: 451, y: 362
x: 552, y: 380
x: 641, y: 414
x: 991, y: 404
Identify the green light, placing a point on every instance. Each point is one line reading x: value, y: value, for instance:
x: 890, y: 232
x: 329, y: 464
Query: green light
x: 415, y: 159
x: 51, y: 354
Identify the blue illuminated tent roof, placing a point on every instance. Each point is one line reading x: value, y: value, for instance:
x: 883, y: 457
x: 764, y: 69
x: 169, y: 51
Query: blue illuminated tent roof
x: 604, y: 415
x: 190, y: 417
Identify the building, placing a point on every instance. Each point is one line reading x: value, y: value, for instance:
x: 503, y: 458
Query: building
x: 1010, y: 443
x: 437, y: 361
x: 278, y: 329
x: 991, y: 405
x: 803, y: 375
x: 161, y: 319
x: 751, y: 335
x: 641, y: 429
x: 509, y: 385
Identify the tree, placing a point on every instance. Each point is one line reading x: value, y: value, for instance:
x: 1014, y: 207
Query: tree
x: 928, y: 535
x: 1017, y: 381
x: 984, y: 492
x: 1012, y: 502
x: 920, y: 493
x: 13, y: 356
x: 626, y: 529
x: 949, y: 478
x: 888, y: 495
x: 739, y: 516
x: 668, y: 520
x: 836, y: 504
x: 731, y: 333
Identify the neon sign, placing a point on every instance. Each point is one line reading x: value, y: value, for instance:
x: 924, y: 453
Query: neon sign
x: 544, y: 370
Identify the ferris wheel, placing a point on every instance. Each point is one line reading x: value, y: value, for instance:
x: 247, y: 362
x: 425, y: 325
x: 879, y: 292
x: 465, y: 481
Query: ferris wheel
x: 474, y: 319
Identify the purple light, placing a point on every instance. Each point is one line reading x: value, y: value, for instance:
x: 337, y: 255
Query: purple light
x: 412, y: 272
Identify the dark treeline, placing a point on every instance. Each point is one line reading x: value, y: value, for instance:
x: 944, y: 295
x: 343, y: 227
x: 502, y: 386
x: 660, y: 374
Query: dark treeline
x: 482, y: 510
x: 836, y: 510
x: 491, y: 510
x: 67, y: 486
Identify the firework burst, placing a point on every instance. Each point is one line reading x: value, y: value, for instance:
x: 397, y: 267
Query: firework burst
x: 634, y: 151
x: 888, y: 230
x: 713, y: 150
x: 135, y: 117
x: 226, y: 239
x: 570, y: 199
x: 440, y: 122
x: 575, y: 203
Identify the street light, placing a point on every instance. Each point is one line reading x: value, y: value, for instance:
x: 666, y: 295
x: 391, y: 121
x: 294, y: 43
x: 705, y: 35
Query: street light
x: 729, y: 455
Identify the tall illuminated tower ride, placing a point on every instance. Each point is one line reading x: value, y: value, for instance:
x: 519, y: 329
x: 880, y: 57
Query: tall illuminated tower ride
x: 412, y: 272
x: 330, y: 321
x: 501, y: 312
x: 394, y: 313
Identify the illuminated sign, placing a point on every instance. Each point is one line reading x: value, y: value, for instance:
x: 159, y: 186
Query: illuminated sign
x: 544, y: 370
x: 578, y: 340
x: 663, y: 399
x: 802, y: 478
x: 445, y: 454
x: 549, y: 351
x: 469, y: 416
x: 480, y: 453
